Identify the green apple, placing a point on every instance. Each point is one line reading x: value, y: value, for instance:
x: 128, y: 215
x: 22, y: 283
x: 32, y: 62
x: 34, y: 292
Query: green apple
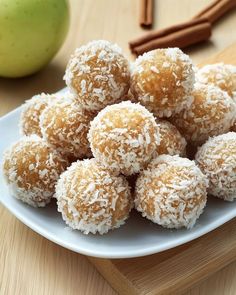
x: 31, y: 32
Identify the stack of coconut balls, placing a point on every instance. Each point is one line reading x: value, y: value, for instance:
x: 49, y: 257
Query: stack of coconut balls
x: 120, y: 120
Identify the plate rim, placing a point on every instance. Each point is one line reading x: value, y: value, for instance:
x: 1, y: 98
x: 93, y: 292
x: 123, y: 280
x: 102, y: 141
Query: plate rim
x: 135, y: 253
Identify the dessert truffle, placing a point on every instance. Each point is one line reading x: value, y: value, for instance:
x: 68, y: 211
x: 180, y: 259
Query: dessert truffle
x: 171, y: 192
x: 32, y: 109
x: 217, y: 160
x: 91, y: 199
x: 123, y: 137
x: 220, y: 74
x: 171, y: 141
x: 211, y: 113
x: 31, y: 169
x: 98, y: 74
x: 162, y: 80
x: 64, y: 126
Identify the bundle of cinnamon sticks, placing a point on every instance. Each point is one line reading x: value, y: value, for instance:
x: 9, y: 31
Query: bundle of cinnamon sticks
x: 182, y: 35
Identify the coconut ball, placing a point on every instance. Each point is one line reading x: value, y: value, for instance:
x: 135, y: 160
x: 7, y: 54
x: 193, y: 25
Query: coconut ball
x: 171, y: 141
x: 211, y: 113
x: 31, y: 169
x: 65, y: 126
x: 220, y: 74
x: 162, y: 80
x: 171, y: 192
x: 98, y: 73
x: 124, y: 137
x: 91, y: 199
x: 217, y: 160
x: 32, y: 109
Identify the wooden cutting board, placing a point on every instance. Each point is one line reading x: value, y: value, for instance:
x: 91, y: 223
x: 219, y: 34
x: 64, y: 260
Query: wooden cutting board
x: 175, y: 270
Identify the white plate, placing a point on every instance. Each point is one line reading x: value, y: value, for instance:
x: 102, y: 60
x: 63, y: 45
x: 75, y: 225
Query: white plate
x: 138, y: 237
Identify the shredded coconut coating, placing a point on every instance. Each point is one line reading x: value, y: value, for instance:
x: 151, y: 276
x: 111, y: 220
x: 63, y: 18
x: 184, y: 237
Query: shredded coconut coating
x: 171, y: 192
x: 171, y: 141
x: 91, y: 199
x: 129, y: 96
x: 217, y: 160
x: 211, y: 113
x: 162, y: 80
x: 65, y: 126
x: 98, y: 73
x: 123, y: 137
x: 233, y: 128
x: 220, y: 75
x: 232, y: 69
x: 32, y: 109
x: 31, y: 169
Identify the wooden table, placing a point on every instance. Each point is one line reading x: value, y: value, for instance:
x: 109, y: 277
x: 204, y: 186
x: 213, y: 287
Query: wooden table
x: 30, y: 264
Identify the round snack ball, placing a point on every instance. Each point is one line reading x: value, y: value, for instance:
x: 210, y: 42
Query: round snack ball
x: 123, y: 137
x: 32, y: 109
x: 211, y: 113
x: 171, y: 192
x: 162, y: 80
x: 98, y: 74
x: 217, y: 160
x: 220, y: 74
x: 31, y: 169
x: 64, y: 126
x: 171, y: 141
x: 91, y: 199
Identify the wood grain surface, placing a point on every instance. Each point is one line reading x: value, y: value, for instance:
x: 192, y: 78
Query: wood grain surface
x: 172, y: 271
x: 30, y: 264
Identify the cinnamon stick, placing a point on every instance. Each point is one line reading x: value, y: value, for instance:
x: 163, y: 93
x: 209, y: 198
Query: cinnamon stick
x: 146, y: 13
x: 215, y: 10
x: 182, y: 38
x: 164, y: 32
x: 188, y: 33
